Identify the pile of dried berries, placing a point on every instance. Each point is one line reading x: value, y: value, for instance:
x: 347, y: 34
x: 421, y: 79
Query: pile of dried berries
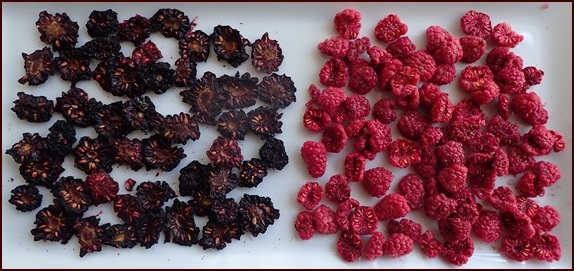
x: 227, y: 102
x: 456, y: 151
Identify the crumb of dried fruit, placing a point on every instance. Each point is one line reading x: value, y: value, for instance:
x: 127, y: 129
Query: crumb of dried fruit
x: 392, y: 206
x: 277, y: 90
x: 374, y: 247
x: 398, y: 245
x: 229, y: 45
x: 350, y: 246
x: 310, y: 195
x: 476, y: 24
x: 429, y: 244
x: 412, y: 188
x: 25, y: 197
x: 274, y: 154
x: 377, y: 181
x: 504, y: 36
x: 354, y: 166
x: 403, y: 153
x: 348, y: 23
x: 38, y: 66
x: 129, y: 184
x: 337, y: 189
x: 305, y: 225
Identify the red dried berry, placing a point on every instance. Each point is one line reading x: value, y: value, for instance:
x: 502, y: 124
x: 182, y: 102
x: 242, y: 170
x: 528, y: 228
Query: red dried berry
x: 454, y: 229
x: 101, y: 187
x: 431, y: 136
x: 305, y: 225
x: 392, y: 206
x: 450, y: 153
x: 430, y: 246
x: 336, y: 47
x: 428, y: 93
x: 405, y: 226
x: 344, y: 211
x: 517, y: 249
x: 374, y: 247
x: 527, y: 205
x: 375, y: 138
x: 437, y: 37
x: 474, y: 78
x: 404, y: 77
x: 354, y: 166
x: 559, y: 143
x: 503, y: 199
x: 337, y: 189
x: 529, y: 107
x: 225, y: 152
x: 538, y: 141
x: 356, y: 48
x: 452, y: 178
x: 412, y: 124
x: 350, y: 246
x: 511, y: 80
x: 423, y: 63
x: 348, y: 23
x: 546, y: 218
x: 547, y: 248
x: 444, y: 74
x: 441, y: 109
x: 504, y: 36
x: 476, y: 24
x: 450, y: 52
x: 458, y: 253
x: 439, y: 207
x: 310, y: 195
x: 383, y: 110
x: 403, y: 153
x: 379, y: 57
x: 390, y: 28
x: 334, y: 73
x: 518, y: 160
x: 532, y: 76
x: 316, y: 119
x: 387, y: 72
x: 363, y: 79
x: 354, y: 127
x: 325, y: 220
x: 357, y: 106
x: 401, y: 48
x: 363, y: 220
x: 314, y: 155
x: 488, y: 227
x: 506, y: 131
x: 377, y: 181
x: 412, y: 188
x: 331, y: 98
x: 473, y: 47
x: 398, y: 245
x: 517, y: 224
x: 334, y: 138
x: 501, y: 57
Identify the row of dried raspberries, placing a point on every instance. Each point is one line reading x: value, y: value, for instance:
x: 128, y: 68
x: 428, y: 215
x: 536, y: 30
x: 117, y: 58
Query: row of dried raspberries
x: 456, y: 149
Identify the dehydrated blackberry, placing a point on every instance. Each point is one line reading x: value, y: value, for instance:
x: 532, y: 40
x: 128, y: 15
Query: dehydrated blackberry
x: 178, y: 128
x: 61, y: 138
x: 158, y: 77
x: 54, y: 224
x: 273, y: 154
x: 26, y: 197
x: 224, y: 211
x: 149, y: 227
x: 128, y: 208
x: 252, y: 173
x: 101, y: 187
x: 205, y: 98
x: 180, y: 226
x: 33, y: 108
x: 256, y: 213
x: 233, y: 124
x: 152, y: 195
x: 160, y: 153
x: 76, y: 107
x: 218, y: 235
x: 219, y: 180
x: 195, y: 46
x: 93, y: 154
x: 102, y: 48
x: 277, y: 90
x: 38, y: 66
x: 123, y: 77
x: 89, y: 233
x: 241, y: 91
x: 109, y: 120
x: 185, y: 72
x: 191, y: 178
x: 265, y: 121
x: 74, y: 65
x: 135, y: 29
x: 266, y: 54
x: 201, y: 202
x: 225, y: 153
x: 229, y: 45
x: 102, y: 23
x: 128, y: 152
x: 119, y: 236
x: 71, y: 193
x: 44, y: 172
x: 57, y: 30
x: 171, y: 22
x: 146, y: 53
x: 30, y: 148
x: 139, y: 113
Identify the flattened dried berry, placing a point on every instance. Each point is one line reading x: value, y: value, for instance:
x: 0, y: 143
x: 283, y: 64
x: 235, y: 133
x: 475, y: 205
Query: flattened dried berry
x: 241, y: 91
x: 390, y: 28
x: 305, y: 225
x: 89, y: 233
x: 158, y: 77
x: 57, y: 30
x: 266, y: 54
x: 136, y: 29
x: 256, y: 213
x: 140, y: 113
x: 309, y: 195
x: 25, y: 197
x: 350, y: 246
x: 128, y: 152
x: 149, y: 227
x: 252, y: 173
x: 277, y: 90
x: 101, y: 187
x: 219, y: 181
x: 171, y: 22
x: 102, y: 23
x: 109, y: 120
x: 146, y: 53
x: 185, y: 72
x: 93, y: 154
x: 348, y: 23
x: 71, y: 193
x: 225, y: 153
x: 180, y: 226
x: 476, y: 24
x: 30, y: 148
x: 61, y: 138
x: 229, y: 45
x: 119, y: 236
x: 54, y: 224
x: 195, y: 46
x: 178, y: 128
x: 102, y: 48
x: 233, y: 124
x: 403, y: 153
x: 38, y: 66
x: 128, y: 209
x: 224, y: 210
x: 74, y: 65
x: 43, y: 172
x: 273, y: 153
x: 205, y: 98
x: 218, y: 235
x: 160, y: 153
x: 33, y: 108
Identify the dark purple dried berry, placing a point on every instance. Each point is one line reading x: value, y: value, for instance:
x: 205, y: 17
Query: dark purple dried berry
x: 128, y: 208
x: 158, y: 77
x: 160, y: 153
x: 146, y: 53
x: 149, y: 227
x: 265, y: 121
x: 89, y: 233
x: 140, y: 113
x: 256, y: 213
x: 277, y: 90
x: 266, y: 54
x: 125, y: 77
x: 191, y: 178
x: 26, y: 198
x: 242, y: 91
x: 217, y: 235
x: 185, y: 72
x: 76, y: 107
x: 201, y: 202
x: 135, y: 29
x: 180, y: 226
x: 225, y: 153
x: 195, y: 46
x: 44, y: 172
x: 110, y: 122
x: 128, y: 152
x: 74, y: 65
x: 102, y: 48
x: 224, y: 211
x: 229, y: 45
x: 57, y: 30
x: 102, y: 23
x: 219, y: 181
x: 273, y: 154
x: 178, y: 128
x: 152, y: 195
x: 252, y: 173
x: 38, y: 66
x: 120, y: 236
x: 61, y: 138
x: 93, y: 154
x: 233, y: 124
x: 30, y: 148
x: 71, y: 193
x: 101, y: 187
x: 33, y: 108
x: 54, y: 224
x: 171, y: 22
x: 206, y: 98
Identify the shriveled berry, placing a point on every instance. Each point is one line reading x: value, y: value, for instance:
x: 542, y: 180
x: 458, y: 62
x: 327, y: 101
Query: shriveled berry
x: 473, y: 47
x: 334, y: 138
x: 354, y: 127
x: 348, y: 23
x: 532, y: 76
x: 547, y: 248
x: 454, y: 229
x: 350, y: 246
x: 363, y: 79
x: 444, y: 74
x: 392, y: 206
x: 450, y: 52
x: 354, y: 167
x: 316, y: 119
x: 390, y: 28
x: 225, y: 152
x: 305, y: 225
x: 374, y: 247
x: 344, y: 211
x: 377, y: 181
x: 337, y: 189
x: 429, y: 244
x: 488, y: 227
x: 453, y: 178
x: 384, y: 110
x: 379, y: 57
x: 325, y: 220
x: 476, y: 23
x: 517, y: 249
x: 504, y: 36
x: 398, y: 245
x: 439, y: 206
x: 364, y: 221
x: 274, y: 154
x: 101, y: 187
x: 310, y: 195
x: 25, y: 197
x: 546, y: 218
x: 412, y: 124
x: 423, y: 63
x: 401, y: 48
x: 266, y: 54
x: 458, y: 253
x: 405, y: 226
x: 412, y: 188
x: 357, y: 106
x: 334, y: 73
x: 336, y: 47
x: 403, y: 153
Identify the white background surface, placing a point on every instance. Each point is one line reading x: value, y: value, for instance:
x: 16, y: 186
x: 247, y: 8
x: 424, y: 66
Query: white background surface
x: 298, y: 27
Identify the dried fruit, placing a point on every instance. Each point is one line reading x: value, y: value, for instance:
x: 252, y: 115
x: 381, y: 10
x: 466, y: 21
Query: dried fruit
x: 398, y: 245
x: 30, y: 148
x: 171, y: 22
x: 473, y: 47
x: 458, y: 253
x: 363, y: 79
x: 354, y: 166
x: 179, y: 128
x: 225, y: 152
x: 128, y: 208
x: 273, y: 153
x: 390, y: 28
x: 305, y: 225
x: 92, y: 155
x: 310, y: 195
x: 392, y: 206
x: 348, y: 23
x: 314, y: 155
x: 57, y: 30
x: 140, y: 114
x: 54, y: 224
x: 475, y: 23
x: 160, y: 153
x: 136, y: 29
x: 44, y: 172
x: 277, y: 90
x: 61, y: 138
x: 71, y: 193
x: 517, y: 249
x: 109, y: 121
x: 195, y: 46
x: 74, y: 65
x: 205, y: 98
x: 412, y: 188
x: 377, y: 181
x: 241, y: 91
x: 33, y: 108
x: 403, y: 153
x: 25, y: 197
x: 102, y: 23
x: 146, y: 53
x: 336, y: 47
x: 325, y: 220
x: 252, y: 173
x: 405, y: 226
x: 128, y: 152
x: 337, y: 189
x: 129, y: 184
x: 38, y: 66
x: 180, y: 227
x: 89, y: 233
x: 185, y: 72
x: 256, y: 213
x: 363, y: 220
x: 547, y: 248
x: 101, y: 187
x: 229, y: 45
x: 217, y: 235
x: 438, y: 206
x: 266, y: 54
x: 103, y: 48
x: 429, y: 244
x: 504, y: 36
x: 119, y: 236
x: 334, y: 73
x: 149, y: 227
x: 265, y: 121
x: 350, y: 246
x: 374, y: 247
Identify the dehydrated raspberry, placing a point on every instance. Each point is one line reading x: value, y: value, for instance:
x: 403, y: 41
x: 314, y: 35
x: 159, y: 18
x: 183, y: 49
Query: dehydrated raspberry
x: 136, y: 29
x: 427, y: 167
x: 532, y: 76
x: 505, y: 130
x: 363, y: 79
x: 517, y: 249
x: 405, y: 76
x: 158, y: 77
x: 149, y: 227
x: 350, y: 246
x: 450, y: 52
x: 467, y: 108
x: 474, y: 78
x: 314, y: 155
x: 331, y: 98
x: 310, y: 195
x: 473, y: 47
x: 436, y: 38
x: 363, y: 220
x: 374, y: 138
x: 171, y: 22
x: 429, y: 244
x: 547, y: 248
x: 527, y: 185
x: 476, y: 24
x: 377, y: 181
x: 356, y: 48
x: 348, y: 23
x: 374, y: 247
x: 229, y: 45
x: 510, y: 80
x: 392, y: 206
x: 517, y: 224
x: 74, y: 65
x: 354, y: 127
x: 26, y: 197
x: 450, y: 153
x: 336, y: 47
x: 518, y: 160
x: 441, y: 109
x: 548, y: 172
x: 527, y: 205
x: 256, y: 213
x: 431, y: 136
x: 454, y: 229
x: 401, y: 48
x: 337, y: 189
x: 38, y: 66
x: 423, y: 63
x: 538, y: 141
x: 57, y: 30
x: 398, y: 245
x: 277, y: 90
x: 160, y: 153
x: 428, y: 94
x: 488, y: 227
x: 383, y: 110
x: 357, y: 106
x: 334, y: 73
x: 405, y: 226
x: 483, y: 186
x: 444, y: 74
x: 439, y: 207
x: 128, y: 208
x: 546, y: 218
x: 464, y: 129
x: 185, y: 72
x: 344, y: 211
x: 152, y: 195
x: 225, y: 152
x: 387, y: 72
x: 412, y: 124
x: 305, y: 225
x: 501, y: 57
x: 559, y: 143
x: 325, y: 220
x: 379, y: 57
x: 412, y: 188
x: 528, y: 106
x: 403, y: 153
x: 503, y: 106
x: 274, y: 154
x: 458, y: 253
x: 102, y: 23
x: 504, y: 36
x: 266, y: 54
x: 354, y: 167
x: 452, y: 178
x: 102, y: 187
x: 316, y: 119
x: 390, y: 28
